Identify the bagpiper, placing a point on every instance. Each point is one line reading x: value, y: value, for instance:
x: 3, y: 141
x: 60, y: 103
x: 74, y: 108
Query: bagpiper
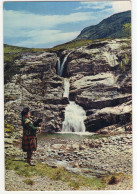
x: 29, y: 139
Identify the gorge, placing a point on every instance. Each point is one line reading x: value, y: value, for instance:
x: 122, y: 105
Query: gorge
x: 100, y: 82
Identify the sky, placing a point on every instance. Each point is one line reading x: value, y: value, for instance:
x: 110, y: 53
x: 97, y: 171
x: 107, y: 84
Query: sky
x: 47, y: 24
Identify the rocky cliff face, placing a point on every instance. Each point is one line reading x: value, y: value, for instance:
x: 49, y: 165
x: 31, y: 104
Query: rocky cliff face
x: 100, y: 82
x: 38, y: 87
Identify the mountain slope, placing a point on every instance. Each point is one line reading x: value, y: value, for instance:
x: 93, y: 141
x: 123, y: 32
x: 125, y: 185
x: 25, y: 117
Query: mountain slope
x: 111, y: 27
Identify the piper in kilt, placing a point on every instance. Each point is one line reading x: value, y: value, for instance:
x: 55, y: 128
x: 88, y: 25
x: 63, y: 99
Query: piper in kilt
x: 29, y: 139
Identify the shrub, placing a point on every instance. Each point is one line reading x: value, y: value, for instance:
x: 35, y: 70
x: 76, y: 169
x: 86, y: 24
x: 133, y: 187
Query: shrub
x: 28, y: 181
x: 113, y: 180
x: 8, y: 128
x: 124, y: 62
x: 127, y: 30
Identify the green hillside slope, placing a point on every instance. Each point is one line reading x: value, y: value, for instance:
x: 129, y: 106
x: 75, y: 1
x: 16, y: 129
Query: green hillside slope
x: 115, y: 26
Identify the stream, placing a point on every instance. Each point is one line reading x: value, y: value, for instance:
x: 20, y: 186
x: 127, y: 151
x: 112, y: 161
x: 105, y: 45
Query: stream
x: 90, y: 155
x: 82, y: 152
x: 70, y: 151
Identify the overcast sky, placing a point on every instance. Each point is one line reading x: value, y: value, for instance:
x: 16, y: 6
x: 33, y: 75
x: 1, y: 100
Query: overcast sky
x: 46, y: 24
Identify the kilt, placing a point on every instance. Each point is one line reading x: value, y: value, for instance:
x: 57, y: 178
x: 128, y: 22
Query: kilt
x: 29, y: 143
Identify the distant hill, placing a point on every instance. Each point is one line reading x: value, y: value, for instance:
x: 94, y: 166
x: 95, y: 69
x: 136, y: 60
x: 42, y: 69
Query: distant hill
x: 115, y: 26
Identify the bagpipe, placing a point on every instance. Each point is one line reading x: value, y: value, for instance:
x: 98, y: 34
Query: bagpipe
x: 37, y: 122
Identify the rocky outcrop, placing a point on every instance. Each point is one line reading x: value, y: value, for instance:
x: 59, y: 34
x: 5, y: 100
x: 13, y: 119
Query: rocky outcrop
x: 100, y: 75
x: 100, y: 82
x: 38, y: 87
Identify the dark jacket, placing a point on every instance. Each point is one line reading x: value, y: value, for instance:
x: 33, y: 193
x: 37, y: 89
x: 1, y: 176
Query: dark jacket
x: 29, y: 139
x: 28, y: 128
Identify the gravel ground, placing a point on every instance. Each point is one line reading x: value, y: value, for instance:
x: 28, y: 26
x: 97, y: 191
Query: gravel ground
x: 126, y: 184
x: 14, y: 182
x: 113, y: 154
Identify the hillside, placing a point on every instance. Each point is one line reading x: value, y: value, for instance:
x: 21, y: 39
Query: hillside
x: 115, y: 26
x: 11, y: 54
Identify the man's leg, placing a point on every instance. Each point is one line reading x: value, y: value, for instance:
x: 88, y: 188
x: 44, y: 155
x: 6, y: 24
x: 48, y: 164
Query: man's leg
x: 29, y: 155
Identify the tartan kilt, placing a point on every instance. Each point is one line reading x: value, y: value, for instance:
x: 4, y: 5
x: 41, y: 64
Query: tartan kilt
x: 29, y: 143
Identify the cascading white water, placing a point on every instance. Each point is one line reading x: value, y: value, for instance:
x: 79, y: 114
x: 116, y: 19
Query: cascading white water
x: 66, y: 88
x: 74, y: 114
x: 74, y: 118
x: 61, y: 66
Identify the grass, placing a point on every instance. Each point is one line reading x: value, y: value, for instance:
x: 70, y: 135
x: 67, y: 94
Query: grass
x: 8, y: 128
x: 10, y: 68
x: 12, y: 53
x: 28, y: 181
x: 70, y: 45
x: 74, y: 180
x: 75, y: 44
x: 15, y: 49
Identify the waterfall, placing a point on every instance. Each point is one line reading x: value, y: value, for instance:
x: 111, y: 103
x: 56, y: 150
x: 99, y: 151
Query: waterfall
x: 74, y: 118
x: 74, y: 114
x: 60, y: 66
x: 66, y: 88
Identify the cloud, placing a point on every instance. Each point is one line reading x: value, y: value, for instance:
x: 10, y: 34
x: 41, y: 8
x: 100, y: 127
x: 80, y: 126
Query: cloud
x: 94, y: 5
x: 121, y: 6
x: 116, y: 6
x: 16, y: 19
x: 31, y: 30
x: 40, y: 28
x: 35, y: 38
